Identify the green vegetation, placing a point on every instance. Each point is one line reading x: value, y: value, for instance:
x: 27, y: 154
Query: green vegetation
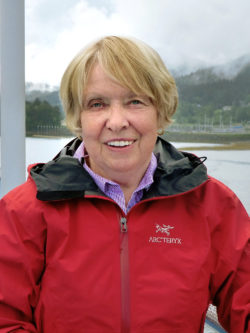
x: 211, y: 100
x: 212, y: 108
x: 41, y: 113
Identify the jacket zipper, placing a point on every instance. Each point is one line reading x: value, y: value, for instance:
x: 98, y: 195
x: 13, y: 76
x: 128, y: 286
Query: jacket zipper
x: 125, y: 285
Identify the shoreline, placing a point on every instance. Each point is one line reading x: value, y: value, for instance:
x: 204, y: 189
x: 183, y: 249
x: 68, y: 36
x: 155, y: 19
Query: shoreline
x: 210, y: 138
x: 231, y: 146
x: 211, y: 145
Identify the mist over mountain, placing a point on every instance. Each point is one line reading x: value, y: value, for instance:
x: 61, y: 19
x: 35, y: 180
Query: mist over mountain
x: 43, y: 92
x: 44, y: 87
x: 216, y: 86
x: 215, y: 96
x: 233, y: 68
x: 226, y: 71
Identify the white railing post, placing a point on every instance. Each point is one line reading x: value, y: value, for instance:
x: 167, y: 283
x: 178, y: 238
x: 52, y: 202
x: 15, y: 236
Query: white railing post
x: 12, y: 92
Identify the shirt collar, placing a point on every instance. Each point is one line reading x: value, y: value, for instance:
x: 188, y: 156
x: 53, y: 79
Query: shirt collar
x: 104, y: 183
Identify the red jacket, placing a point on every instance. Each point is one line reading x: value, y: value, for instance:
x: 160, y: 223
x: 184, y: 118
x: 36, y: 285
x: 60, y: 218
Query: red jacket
x: 70, y: 261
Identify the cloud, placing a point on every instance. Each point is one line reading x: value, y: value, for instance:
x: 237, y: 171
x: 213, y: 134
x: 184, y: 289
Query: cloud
x: 51, y: 43
x: 190, y: 32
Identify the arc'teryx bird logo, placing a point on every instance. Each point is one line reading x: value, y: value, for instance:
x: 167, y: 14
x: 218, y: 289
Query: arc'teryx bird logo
x: 164, y: 239
x: 164, y: 229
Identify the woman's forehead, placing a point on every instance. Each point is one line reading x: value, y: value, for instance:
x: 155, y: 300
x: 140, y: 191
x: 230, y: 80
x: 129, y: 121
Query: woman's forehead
x: 101, y: 83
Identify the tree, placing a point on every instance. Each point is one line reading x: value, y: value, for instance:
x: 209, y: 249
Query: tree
x: 41, y: 113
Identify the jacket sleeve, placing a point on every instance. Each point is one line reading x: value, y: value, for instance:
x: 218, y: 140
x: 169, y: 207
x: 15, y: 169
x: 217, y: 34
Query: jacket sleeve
x: 21, y: 262
x: 230, y: 280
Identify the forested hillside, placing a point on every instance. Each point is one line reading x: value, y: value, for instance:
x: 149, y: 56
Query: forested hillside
x: 41, y: 113
x: 206, y: 96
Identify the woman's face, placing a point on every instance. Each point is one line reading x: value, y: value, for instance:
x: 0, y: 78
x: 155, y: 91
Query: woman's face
x: 119, y: 129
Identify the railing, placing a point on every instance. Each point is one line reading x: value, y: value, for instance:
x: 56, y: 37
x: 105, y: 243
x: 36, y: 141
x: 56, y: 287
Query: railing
x: 48, y: 130
x: 236, y: 128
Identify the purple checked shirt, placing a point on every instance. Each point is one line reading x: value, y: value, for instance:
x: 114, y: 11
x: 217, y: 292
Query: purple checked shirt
x: 113, y: 190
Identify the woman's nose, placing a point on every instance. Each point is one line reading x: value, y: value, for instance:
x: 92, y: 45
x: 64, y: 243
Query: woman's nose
x: 117, y: 118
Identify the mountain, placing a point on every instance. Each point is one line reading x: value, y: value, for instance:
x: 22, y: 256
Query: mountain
x: 233, y: 68
x: 216, y: 87
x: 226, y: 71
x: 215, y: 96
x: 45, y: 87
x: 44, y: 92
x: 212, y: 86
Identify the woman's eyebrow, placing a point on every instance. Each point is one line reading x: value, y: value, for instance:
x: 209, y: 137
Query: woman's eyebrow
x: 133, y: 95
x: 88, y: 98
x: 92, y: 96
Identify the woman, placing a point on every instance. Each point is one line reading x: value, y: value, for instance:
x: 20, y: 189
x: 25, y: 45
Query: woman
x: 121, y: 232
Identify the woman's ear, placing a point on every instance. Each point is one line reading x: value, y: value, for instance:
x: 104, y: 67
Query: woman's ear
x: 160, y: 131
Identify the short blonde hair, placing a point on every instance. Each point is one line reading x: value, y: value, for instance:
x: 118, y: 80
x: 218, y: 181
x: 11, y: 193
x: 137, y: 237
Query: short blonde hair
x: 130, y: 62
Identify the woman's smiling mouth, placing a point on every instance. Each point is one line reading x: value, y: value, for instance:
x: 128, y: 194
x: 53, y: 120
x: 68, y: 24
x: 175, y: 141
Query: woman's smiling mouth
x: 120, y: 143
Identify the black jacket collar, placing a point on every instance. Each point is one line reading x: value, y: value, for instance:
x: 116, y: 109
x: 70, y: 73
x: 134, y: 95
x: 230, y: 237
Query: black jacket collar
x: 64, y: 177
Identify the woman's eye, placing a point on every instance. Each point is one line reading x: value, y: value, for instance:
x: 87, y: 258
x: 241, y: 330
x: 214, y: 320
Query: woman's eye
x: 135, y: 102
x: 96, y: 105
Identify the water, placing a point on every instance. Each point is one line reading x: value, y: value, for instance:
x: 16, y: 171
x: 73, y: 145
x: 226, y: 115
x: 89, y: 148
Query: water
x: 232, y: 167
x: 41, y: 150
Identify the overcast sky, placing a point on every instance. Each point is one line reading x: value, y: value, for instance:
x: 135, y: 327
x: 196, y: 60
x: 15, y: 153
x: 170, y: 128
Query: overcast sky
x: 184, y: 32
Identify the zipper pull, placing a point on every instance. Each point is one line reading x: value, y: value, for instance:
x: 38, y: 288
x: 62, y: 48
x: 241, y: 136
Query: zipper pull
x: 123, y: 222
